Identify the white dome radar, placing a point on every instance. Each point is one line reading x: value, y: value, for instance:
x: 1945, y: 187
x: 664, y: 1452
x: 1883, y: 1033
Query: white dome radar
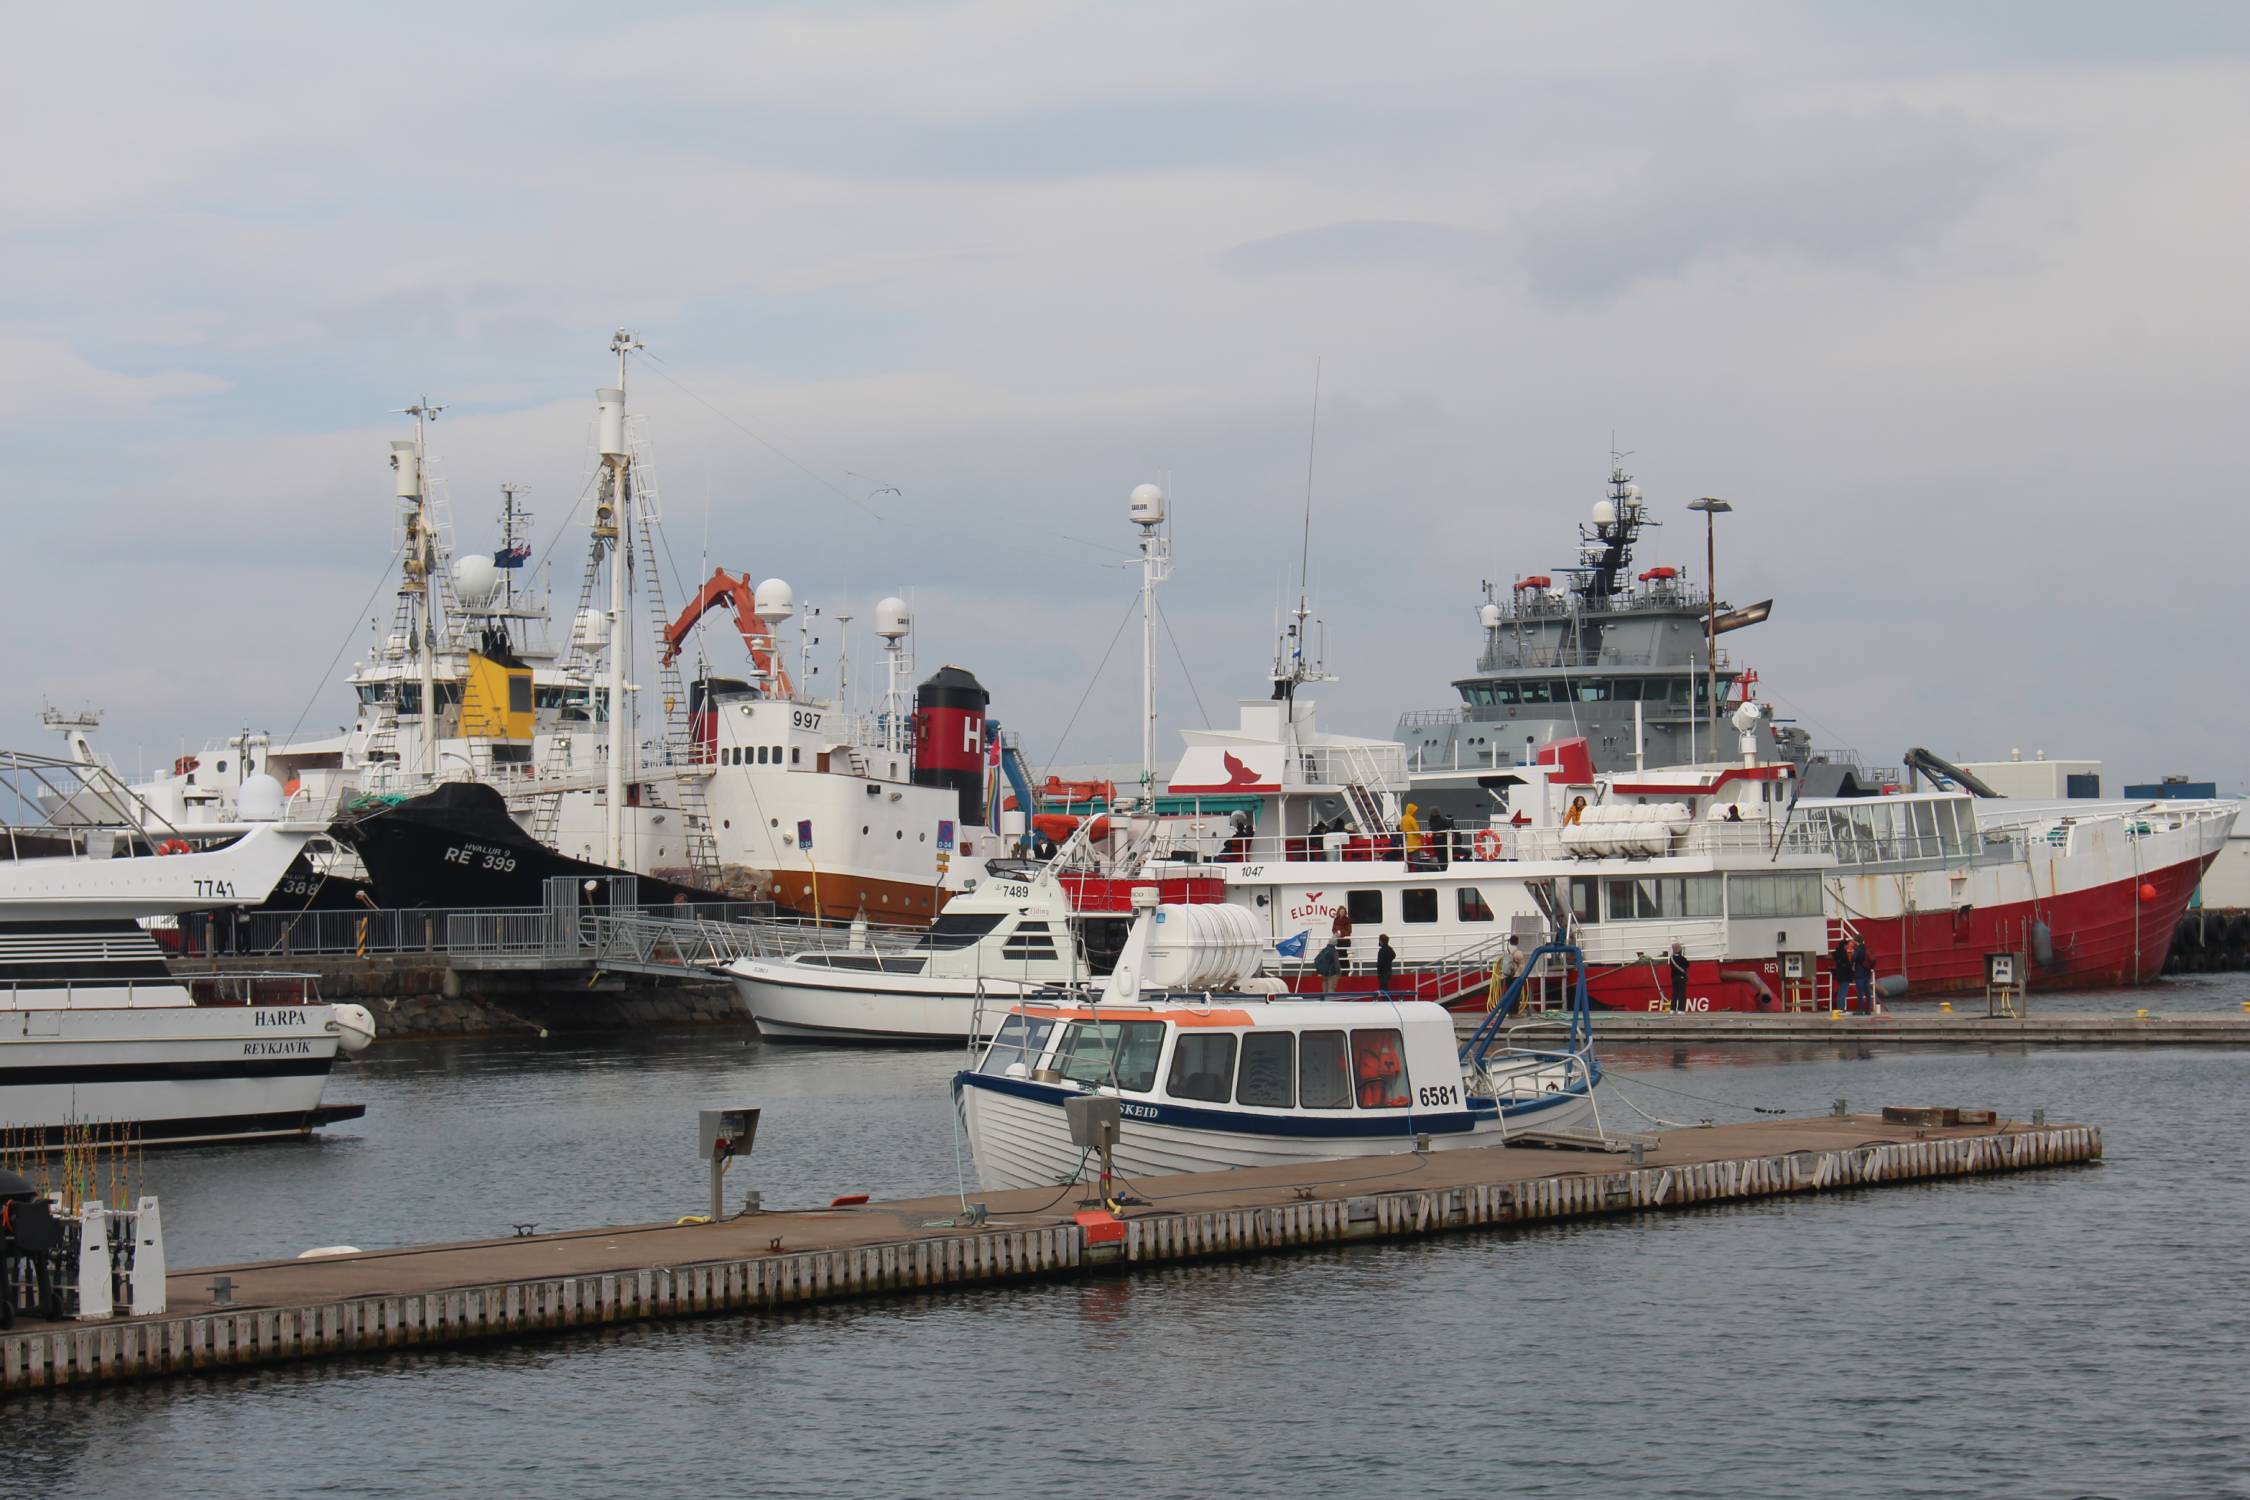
x: 476, y: 579
x: 776, y: 600
x: 893, y: 619
x: 1147, y: 504
x: 1605, y: 514
x: 259, y: 800
x: 1489, y: 616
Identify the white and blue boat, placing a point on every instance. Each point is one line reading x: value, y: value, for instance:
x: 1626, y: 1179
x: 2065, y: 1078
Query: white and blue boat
x: 1210, y: 1081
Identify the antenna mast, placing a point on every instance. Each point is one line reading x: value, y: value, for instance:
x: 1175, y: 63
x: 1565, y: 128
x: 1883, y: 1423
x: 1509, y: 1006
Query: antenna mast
x: 420, y: 561
x: 1146, y: 506
x: 612, y: 522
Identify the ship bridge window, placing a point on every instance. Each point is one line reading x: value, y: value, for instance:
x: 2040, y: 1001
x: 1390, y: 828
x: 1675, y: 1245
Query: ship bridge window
x: 1324, y: 1079
x: 1535, y: 692
x: 1269, y: 1070
x: 1590, y: 689
x: 1202, y: 1066
x: 1020, y: 1039
x: 1504, y: 694
x: 1625, y: 689
x: 1098, y: 1053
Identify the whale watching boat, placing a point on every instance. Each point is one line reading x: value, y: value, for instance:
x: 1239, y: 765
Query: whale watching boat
x: 1217, y: 1079
x: 97, y: 1034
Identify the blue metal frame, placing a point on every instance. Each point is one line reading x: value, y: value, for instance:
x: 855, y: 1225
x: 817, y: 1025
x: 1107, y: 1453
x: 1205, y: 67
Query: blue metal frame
x: 1581, y: 1007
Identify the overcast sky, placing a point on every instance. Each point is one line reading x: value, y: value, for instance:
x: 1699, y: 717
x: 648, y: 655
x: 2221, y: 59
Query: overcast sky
x: 1950, y: 301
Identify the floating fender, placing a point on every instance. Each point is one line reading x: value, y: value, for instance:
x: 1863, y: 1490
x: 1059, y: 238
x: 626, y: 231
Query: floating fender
x: 1891, y: 986
x: 2043, y: 943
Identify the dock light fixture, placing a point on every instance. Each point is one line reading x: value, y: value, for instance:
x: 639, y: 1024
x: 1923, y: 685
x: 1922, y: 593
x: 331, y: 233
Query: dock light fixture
x: 723, y: 1135
x: 1712, y: 507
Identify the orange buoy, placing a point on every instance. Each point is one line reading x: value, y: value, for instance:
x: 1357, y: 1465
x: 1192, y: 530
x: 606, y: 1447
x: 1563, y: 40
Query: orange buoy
x: 2148, y: 892
x: 173, y: 846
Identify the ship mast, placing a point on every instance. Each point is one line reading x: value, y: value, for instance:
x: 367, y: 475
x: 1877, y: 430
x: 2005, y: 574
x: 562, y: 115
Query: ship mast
x: 420, y: 561
x: 1147, y: 508
x: 613, y: 523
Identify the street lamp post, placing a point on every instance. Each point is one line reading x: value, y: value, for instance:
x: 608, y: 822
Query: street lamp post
x: 1711, y: 508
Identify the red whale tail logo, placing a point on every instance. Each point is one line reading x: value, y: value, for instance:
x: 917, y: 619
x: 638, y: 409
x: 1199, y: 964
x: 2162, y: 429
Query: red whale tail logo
x: 1238, y: 774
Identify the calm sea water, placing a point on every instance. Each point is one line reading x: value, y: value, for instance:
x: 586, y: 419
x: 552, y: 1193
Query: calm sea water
x: 2074, y: 1332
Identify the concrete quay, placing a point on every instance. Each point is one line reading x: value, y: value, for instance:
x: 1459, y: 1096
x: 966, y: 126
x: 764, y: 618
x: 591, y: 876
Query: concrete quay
x: 1925, y: 1026
x: 490, y: 1291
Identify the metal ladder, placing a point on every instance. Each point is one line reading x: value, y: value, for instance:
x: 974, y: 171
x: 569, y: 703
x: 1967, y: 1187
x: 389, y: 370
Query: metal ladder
x: 688, y: 774
x: 1359, y: 796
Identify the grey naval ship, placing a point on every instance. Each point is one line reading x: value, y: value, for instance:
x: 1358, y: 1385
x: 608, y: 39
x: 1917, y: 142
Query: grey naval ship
x: 1599, y: 652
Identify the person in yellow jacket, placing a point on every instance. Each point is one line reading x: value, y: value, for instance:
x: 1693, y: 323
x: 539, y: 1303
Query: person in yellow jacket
x: 1411, y: 825
x: 1504, y: 972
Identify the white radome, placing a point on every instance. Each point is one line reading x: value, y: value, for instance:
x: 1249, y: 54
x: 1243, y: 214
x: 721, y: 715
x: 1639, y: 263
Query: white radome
x: 893, y: 619
x: 259, y: 800
x: 1147, y: 505
x: 1605, y: 514
x: 1489, y: 616
x: 476, y: 579
x: 776, y: 600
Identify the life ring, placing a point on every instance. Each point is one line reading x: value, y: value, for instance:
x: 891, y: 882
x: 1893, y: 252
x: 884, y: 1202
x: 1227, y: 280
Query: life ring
x: 173, y: 846
x: 1488, y: 844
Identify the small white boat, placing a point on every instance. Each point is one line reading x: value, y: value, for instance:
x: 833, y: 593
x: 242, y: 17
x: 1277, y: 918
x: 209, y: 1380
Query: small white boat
x: 97, y: 1033
x: 1208, y: 1082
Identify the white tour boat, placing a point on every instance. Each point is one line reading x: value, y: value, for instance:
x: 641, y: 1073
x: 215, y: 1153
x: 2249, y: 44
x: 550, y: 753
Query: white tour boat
x: 1217, y: 1080
x: 97, y: 1033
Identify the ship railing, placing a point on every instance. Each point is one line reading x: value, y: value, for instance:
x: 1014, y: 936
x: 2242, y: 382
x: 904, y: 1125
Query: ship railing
x: 348, y: 932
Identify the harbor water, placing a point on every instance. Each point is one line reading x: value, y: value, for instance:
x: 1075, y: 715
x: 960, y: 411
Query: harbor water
x: 2073, y: 1332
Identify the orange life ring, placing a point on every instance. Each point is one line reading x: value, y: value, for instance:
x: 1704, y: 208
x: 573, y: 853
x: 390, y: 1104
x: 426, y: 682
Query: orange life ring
x: 173, y: 846
x: 1488, y: 844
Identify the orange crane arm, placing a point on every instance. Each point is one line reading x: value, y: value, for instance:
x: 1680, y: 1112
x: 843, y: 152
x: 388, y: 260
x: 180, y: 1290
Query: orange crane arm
x: 724, y: 588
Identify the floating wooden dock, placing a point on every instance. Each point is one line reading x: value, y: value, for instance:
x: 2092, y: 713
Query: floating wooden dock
x: 1926, y: 1025
x: 492, y: 1290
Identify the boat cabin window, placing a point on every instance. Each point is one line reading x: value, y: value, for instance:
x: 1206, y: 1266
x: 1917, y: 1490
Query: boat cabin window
x: 1269, y: 1070
x: 1020, y: 1039
x: 1791, y: 895
x: 1535, y: 692
x: 1470, y: 905
x: 1324, y: 1081
x: 1585, y: 903
x: 1202, y: 1066
x: 1366, y: 907
x: 959, y: 929
x: 1647, y: 898
x: 1418, y: 904
x: 1379, y: 1067
x: 1029, y: 940
x: 1101, y: 1053
x: 1504, y: 693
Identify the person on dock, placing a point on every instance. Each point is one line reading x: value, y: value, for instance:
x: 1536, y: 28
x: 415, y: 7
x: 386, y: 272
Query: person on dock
x: 1863, y: 975
x: 1325, y: 965
x: 1840, y: 967
x: 1679, y: 967
x: 1386, y: 963
x: 1504, y: 972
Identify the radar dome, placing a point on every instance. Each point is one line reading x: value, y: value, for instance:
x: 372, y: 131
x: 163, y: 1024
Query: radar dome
x: 1147, y: 502
x: 1605, y: 514
x: 1489, y: 617
x: 259, y: 800
x: 476, y: 579
x: 892, y: 618
x: 590, y: 628
x: 1633, y: 492
x: 776, y: 600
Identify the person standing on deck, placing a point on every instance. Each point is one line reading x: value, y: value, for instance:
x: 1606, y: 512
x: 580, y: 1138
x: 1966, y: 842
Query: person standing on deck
x: 1386, y: 963
x: 1840, y: 967
x: 1863, y: 975
x: 1340, y: 931
x: 1679, y: 966
x: 1504, y: 972
x: 1410, y: 824
x: 1577, y: 811
x: 1324, y: 964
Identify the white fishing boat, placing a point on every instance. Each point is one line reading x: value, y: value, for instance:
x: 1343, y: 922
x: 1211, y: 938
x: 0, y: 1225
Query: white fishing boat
x: 97, y: 1034
x: 1016, y: 935
x: 1217, y: 1080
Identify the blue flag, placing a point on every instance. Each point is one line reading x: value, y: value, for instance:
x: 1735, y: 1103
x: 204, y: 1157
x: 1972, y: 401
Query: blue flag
x: 1291, y: 947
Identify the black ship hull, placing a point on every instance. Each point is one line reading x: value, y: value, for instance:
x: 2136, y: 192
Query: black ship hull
x: 457, y: 846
